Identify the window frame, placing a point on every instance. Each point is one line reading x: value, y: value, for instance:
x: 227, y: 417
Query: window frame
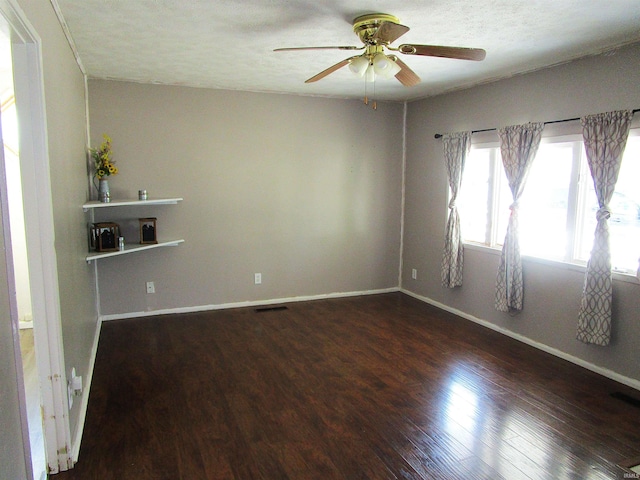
x: 577, y: 203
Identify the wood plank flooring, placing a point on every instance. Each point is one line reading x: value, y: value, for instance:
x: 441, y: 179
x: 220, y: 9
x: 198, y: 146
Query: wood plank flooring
x: 374, y: 387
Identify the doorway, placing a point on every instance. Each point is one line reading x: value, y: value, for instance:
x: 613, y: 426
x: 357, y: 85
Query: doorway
x: 48, y: 373
x: 11, y: 149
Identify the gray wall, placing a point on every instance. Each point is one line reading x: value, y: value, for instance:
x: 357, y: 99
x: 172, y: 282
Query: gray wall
x: 66, y: 130
x: 305, y: 191
x: 552, y: 293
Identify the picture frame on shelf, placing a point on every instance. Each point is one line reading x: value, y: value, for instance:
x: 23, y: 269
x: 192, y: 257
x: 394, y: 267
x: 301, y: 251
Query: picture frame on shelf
x: 148, y: 231
x: 104, y: 236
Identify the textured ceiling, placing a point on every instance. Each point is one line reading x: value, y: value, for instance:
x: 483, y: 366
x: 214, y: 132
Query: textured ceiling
x: 228, y: 44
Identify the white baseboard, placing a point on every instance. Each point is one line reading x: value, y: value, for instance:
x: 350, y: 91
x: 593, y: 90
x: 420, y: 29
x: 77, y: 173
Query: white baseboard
x: 84, y: 401
x: 605, y: 372
x: 77, y: 438
x: 256, y: 303
x: 75, y: 449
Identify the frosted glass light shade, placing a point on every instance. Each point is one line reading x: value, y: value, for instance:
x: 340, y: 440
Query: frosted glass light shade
x: 384, y: 66
x: 370, y: 76
x: 359, y: 65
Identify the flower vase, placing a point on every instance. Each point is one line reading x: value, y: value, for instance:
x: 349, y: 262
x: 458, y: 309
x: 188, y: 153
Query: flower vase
x: 103, y: 190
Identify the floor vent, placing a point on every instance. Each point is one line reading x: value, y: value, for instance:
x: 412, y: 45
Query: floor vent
x: 626, y: 398
x: 634, y: 466
x: 271, y: 309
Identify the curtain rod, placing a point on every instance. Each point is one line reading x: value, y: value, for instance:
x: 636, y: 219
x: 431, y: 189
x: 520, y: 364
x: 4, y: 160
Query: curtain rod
x: 439, y: 135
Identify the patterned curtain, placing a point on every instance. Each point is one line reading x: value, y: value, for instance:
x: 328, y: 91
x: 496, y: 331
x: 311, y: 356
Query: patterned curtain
x: 456, y: 148
x: 605, y: 136
x: 518, y: 146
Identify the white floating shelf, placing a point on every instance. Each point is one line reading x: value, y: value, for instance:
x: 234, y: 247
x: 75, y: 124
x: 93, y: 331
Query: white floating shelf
x: 133, y: 202
x: 132, y: 249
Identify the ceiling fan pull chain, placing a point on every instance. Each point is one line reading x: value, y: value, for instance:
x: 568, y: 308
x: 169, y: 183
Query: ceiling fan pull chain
x: 375, y: 104
x: 366, y: 100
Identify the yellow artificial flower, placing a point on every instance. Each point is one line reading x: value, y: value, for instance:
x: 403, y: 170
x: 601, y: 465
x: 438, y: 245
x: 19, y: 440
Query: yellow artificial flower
x: 102, y: 158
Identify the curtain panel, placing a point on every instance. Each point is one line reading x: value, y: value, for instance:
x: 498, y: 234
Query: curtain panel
x: 518, y: 147
x: 605, y: 136
x: 456, y: 148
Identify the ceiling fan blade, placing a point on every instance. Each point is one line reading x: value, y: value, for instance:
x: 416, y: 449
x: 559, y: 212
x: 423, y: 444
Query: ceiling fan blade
x: 406, y: 76
x: 389, y: 32
x: 329, y: 70
x: 460, y: 53
x: 289, y: 49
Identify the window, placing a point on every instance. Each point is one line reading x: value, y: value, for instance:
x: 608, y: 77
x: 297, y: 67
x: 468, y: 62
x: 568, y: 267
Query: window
x: 557, y: 214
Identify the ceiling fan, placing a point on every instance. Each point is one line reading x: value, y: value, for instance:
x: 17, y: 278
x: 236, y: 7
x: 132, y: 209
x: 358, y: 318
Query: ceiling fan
x: 377, y: 31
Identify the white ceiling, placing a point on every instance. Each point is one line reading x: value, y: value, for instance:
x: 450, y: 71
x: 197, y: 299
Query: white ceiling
x: 228, y: 44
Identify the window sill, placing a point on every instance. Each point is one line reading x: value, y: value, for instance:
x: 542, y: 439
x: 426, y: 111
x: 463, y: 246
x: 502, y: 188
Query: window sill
x: 618, y: 276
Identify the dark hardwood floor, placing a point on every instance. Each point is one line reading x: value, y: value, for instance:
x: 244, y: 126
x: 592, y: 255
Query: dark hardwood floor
x: 375, y: 387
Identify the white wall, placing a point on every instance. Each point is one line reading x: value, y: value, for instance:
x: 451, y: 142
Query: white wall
x: 305, y: 191
x: 552, y: 294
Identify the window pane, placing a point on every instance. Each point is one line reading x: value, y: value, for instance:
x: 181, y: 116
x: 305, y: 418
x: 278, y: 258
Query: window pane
x: 504, y: 199
x: 624, y: 224
x: 558, y: 207
x: 587, y: 221
x: 474, y: 195
x: 543, y: 208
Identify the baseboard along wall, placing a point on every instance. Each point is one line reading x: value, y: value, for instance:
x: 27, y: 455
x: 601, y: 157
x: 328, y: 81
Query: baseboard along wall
x: 605, y: 372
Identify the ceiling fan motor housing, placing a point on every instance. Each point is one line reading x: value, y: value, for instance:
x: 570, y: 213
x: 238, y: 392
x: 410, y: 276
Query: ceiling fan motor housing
x: 366, y: 26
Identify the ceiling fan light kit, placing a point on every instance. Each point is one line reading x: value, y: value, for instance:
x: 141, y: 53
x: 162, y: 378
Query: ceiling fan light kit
x: 384, y: 66
x: 377, y: 31
x: 359, y: 65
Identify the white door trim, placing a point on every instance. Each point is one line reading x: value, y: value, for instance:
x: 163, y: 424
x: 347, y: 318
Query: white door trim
x: 39, y: 226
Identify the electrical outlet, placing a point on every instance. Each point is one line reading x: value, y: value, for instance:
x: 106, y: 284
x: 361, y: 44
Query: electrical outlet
x: 414, y: 273
x: 258, y: 278
x: 151, y: 287
x: 74, y: 386
x: 70, y: 388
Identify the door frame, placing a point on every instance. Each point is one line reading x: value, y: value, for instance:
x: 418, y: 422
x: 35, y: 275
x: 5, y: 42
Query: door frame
x: 39, y: 229
x: 13, y: 310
